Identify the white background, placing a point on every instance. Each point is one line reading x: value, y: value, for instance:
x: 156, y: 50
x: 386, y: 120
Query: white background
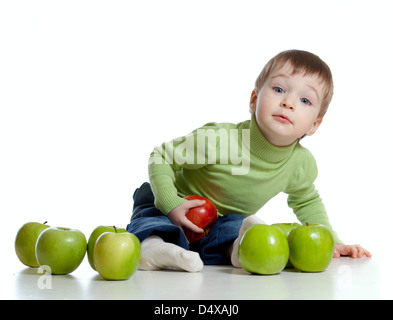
x: 88, y: 88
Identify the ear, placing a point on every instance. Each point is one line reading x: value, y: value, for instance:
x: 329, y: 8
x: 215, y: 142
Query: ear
x: 253, y: 101
x: 314, y: 127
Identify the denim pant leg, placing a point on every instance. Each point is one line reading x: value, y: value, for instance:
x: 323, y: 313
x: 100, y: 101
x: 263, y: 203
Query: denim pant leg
x: 212, y: 249
x: 147, y: 220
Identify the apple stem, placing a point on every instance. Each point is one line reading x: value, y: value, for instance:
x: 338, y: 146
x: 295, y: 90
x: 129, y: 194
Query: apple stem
x: 115, y: 229
x: 45, y: 222
x: 307, y: 224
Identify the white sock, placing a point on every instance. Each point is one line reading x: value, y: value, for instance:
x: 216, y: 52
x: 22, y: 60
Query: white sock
x: 247, y: 222
x: 157, y: 254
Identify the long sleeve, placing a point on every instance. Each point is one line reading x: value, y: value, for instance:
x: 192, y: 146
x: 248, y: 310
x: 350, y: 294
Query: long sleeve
x: 164, y: 163
x: 304, y: 199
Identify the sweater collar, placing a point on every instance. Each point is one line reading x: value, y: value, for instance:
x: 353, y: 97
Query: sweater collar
x: 263, y: 149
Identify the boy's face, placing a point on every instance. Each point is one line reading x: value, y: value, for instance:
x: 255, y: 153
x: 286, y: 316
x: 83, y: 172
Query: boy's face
x: 287, y: 106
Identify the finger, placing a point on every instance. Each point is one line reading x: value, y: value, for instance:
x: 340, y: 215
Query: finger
x: 364, y: 253
x: 367, y: 253
x: 361, y: 251
x: 189, y: 225
x: 354, y: 252
x: 194, y: 203
x: 336, y: 254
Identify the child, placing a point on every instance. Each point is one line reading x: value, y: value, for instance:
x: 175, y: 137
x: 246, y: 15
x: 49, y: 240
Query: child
x: 239, y: 167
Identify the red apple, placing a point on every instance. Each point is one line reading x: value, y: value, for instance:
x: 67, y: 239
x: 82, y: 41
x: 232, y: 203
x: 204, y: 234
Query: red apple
x: 204, y: 217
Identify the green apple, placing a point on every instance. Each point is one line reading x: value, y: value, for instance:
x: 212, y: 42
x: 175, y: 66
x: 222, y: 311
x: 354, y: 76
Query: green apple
x: 25, y: 242
x: 311, y: 247
x: 116, y: 255
x: 263, y: 249
x: 62, y: 249
x: 93, y: 239
x: 286, y: 228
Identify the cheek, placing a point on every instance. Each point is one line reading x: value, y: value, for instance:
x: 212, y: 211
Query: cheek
x: 265, y: 103
x: 307, y: 120
x: 262, y: 109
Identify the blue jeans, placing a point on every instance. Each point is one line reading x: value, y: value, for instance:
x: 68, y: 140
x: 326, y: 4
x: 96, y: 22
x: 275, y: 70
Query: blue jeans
x: 147, y: 220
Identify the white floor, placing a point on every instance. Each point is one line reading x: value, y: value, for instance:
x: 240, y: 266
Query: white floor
x: 345, y: 278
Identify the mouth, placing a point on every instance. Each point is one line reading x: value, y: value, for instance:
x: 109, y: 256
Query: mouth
x: 282, y: 118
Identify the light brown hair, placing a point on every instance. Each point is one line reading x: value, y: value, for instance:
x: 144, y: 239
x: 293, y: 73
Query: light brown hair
x: 301, y: 61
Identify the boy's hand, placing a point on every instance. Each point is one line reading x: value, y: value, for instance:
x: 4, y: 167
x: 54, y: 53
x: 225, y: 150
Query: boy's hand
x: 178, y: 215
x: 354, y: 251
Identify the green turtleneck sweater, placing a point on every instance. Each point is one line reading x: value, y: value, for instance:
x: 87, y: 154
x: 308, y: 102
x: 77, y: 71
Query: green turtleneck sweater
x: 235, y: 167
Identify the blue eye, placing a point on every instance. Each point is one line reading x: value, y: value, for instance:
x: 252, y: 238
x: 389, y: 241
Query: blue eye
x: 278, y: 90
x: 305, y: 101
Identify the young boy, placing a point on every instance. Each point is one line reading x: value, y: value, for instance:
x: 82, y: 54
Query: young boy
x: 239, y: 167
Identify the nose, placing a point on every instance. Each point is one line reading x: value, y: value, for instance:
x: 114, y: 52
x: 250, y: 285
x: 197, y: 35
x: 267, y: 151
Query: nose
x: 285, y: 103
